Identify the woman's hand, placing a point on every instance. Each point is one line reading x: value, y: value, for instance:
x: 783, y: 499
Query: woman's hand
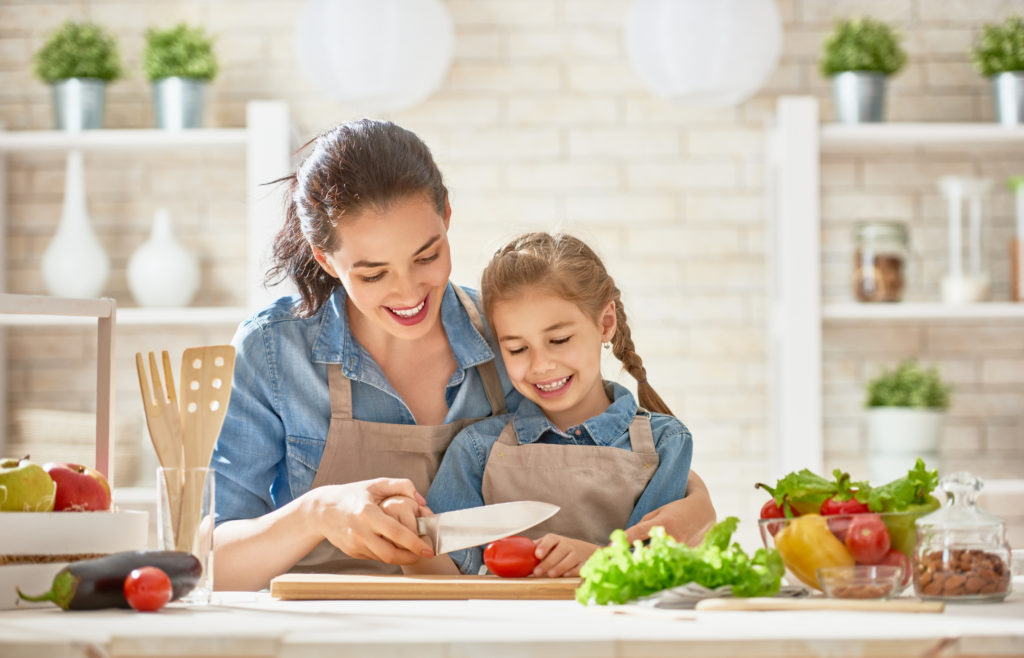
x: 354, y: 518
x: 686, y: 519
x: 561, y: 556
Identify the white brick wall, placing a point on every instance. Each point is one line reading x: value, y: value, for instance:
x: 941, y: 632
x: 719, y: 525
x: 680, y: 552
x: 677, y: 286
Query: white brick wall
x: 541, y: 124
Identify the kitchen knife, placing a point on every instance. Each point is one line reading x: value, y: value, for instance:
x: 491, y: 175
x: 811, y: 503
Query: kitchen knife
x: 465, y: 528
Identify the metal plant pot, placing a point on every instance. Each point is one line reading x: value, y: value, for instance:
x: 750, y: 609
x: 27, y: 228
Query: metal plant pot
x: 859, y: 96
x: 1009, y: 88
x: 178, y: 102
x: 78, y: 103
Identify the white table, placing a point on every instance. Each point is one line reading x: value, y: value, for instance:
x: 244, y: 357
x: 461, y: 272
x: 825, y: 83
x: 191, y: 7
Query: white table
x: 256, y: 625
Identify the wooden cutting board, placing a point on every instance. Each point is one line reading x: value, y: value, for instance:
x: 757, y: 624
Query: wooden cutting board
x: 322, y: 586
x: 819, y: 603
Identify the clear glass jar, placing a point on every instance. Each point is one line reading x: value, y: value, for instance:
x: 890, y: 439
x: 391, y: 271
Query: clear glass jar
x: 961, y: 554
x: 879, y: 262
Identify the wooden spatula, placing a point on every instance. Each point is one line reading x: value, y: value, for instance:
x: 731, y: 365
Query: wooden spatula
x: 206, y: 374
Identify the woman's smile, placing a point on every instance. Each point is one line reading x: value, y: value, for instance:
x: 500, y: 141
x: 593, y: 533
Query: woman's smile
x: 410, y: 315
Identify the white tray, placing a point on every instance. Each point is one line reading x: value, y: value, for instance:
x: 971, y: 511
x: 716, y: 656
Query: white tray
x: 61, y: 533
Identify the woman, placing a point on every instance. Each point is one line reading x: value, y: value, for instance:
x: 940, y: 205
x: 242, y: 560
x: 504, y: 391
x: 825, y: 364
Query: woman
x: 368, y: 373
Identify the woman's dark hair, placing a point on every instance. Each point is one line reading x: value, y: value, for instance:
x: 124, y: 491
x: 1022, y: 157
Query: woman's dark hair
x: 352, y: 167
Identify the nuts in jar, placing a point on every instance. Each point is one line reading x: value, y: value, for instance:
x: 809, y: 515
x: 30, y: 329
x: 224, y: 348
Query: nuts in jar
x: 879, y: 262
x: 960, y: 572
x: 961, y: 553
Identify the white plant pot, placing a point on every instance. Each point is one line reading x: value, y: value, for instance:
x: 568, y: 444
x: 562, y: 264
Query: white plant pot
x: 897, y: 436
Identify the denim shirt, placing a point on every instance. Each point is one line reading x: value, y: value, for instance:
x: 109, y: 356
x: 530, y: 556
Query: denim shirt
x: 276, y: 424
x: 459, y: 480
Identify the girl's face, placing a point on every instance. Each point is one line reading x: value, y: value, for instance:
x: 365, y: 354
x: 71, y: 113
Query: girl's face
x: 552, y: 351
x: 394, y: 264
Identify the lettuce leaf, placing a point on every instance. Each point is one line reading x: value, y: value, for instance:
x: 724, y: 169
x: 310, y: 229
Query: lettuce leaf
x: 620, y: 572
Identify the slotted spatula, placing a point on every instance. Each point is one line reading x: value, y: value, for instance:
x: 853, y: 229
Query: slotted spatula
x: 206, y: 374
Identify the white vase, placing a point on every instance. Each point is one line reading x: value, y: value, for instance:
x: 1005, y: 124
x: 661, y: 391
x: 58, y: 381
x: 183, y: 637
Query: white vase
x: 162, y: 272
x: 897, y: 436
x: 74, y: 263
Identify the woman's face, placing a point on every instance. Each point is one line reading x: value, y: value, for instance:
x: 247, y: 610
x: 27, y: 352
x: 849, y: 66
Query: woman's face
x: 394, y: 263
x: 552, y: 352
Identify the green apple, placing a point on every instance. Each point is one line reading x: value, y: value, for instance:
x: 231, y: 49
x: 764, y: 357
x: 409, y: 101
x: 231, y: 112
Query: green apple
x: 29, y: 488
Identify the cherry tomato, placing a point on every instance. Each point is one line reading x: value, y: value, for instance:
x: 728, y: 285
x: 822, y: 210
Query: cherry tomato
x: 852, y: 506
x: 867, y: 538
x: 772, y: 510
x: 147, y: 589
x: 898, y: 558
x: 511, y: 557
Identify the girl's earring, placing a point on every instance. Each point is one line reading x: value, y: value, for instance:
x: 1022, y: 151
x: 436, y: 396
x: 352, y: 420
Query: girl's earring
x: 607, y: 345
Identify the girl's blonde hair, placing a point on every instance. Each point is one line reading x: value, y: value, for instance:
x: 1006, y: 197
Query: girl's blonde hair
x: 566, y: 266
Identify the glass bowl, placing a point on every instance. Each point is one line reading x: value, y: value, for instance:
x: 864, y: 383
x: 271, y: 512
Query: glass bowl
x: 861, y: 581
x: 810, y: 542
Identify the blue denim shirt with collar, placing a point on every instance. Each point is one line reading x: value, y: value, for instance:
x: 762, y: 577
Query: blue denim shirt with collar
x: 459, y: 480
x: 276, y: 423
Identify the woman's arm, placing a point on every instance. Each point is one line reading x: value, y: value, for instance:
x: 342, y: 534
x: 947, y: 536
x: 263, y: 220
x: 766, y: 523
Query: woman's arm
x: 686, y: 519
x: 249, y: 552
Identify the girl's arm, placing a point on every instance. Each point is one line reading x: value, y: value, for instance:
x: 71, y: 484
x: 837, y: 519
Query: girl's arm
x: 249, y: 552
x: 686, y: 519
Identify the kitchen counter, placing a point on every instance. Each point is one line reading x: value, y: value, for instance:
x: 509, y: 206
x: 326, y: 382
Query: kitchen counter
x: 254, y: 624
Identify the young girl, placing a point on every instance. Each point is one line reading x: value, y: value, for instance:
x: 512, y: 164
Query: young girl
x: 576, y: 440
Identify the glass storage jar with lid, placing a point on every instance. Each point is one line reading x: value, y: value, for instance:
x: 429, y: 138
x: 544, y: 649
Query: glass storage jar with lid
x: 879, y: 262
x: 961, y: 554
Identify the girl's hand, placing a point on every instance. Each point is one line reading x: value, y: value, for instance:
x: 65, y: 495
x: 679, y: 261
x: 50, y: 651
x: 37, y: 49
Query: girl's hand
x: 561, y: 556
x: 686, y: 519
x: 352, y: 517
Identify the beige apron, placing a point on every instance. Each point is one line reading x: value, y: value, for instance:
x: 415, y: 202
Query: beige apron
x: 596, y: 486
x: 359, y: 450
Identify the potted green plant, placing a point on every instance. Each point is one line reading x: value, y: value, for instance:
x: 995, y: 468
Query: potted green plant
x: 906, y: 406
x: 999, y: 55
x: 78, y: 60
x: 180, y: 62
x: 859, y: 56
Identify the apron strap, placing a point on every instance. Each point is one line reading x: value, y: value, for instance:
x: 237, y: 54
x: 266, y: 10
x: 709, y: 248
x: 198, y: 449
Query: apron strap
x: 641, y: 438
x: 340, y: 389
x: 508, y: 435
x: 488, y: 371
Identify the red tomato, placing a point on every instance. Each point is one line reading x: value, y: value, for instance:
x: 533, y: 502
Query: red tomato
x: 832, y: 506
x: 898, y: 558
x: 772, y: 510
x: 867, y: 538
x: 511, y: 557
x: 147, y: 589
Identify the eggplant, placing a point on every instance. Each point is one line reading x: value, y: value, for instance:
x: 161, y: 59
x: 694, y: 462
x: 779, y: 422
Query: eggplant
x: 99, y: 583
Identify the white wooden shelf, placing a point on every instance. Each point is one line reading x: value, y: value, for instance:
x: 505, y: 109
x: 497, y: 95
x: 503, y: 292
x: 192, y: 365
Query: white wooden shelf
x: 852, y: 311
x: 835, y: 137
x: 140, y: 317
x: 122, y: 140
x: 798, y: 313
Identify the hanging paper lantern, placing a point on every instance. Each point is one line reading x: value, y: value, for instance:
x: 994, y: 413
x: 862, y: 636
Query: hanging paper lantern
x: 704, y: 52
x: 379, y: 55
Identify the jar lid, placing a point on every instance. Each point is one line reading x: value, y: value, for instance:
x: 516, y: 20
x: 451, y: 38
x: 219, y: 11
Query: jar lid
x: 881, y: 231
x: 960, y: 511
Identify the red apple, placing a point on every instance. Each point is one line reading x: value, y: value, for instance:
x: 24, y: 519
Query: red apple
x: 79, y: 488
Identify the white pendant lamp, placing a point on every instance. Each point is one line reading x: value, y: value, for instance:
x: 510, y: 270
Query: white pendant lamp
x: 378, y: 55
x: 704, y: 52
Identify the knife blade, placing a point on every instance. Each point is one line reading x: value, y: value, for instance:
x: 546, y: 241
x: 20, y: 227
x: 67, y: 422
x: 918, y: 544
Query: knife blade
x: 474, y: 526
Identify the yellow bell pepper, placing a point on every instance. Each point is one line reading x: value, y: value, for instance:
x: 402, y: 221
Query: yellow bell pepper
x: 806, y: 544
